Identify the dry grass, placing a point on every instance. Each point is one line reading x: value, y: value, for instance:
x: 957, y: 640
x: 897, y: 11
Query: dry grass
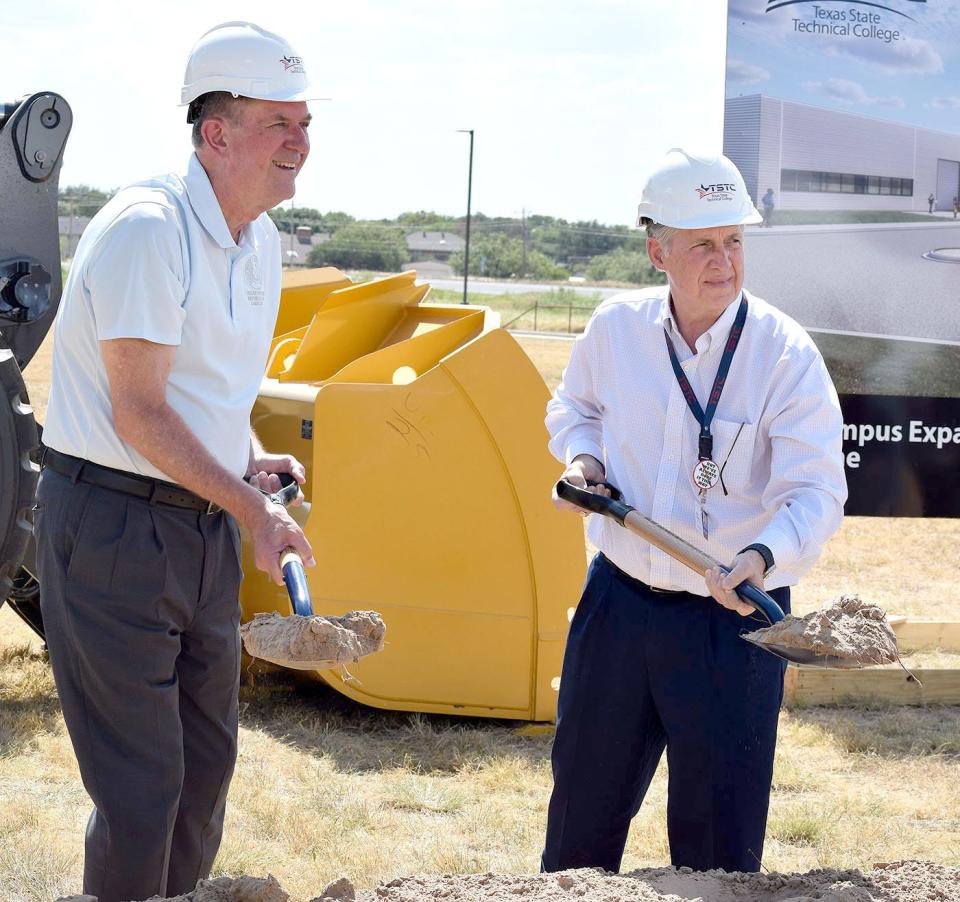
x: 326, y: 788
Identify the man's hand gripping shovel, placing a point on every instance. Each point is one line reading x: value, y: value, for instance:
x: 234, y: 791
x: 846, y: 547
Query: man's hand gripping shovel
x: 304, y: 641
x: 700, y: 562
x: 291, y: 564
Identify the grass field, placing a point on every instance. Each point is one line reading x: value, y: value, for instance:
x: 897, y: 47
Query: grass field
x: 557, y: 310
x: 326, y: 788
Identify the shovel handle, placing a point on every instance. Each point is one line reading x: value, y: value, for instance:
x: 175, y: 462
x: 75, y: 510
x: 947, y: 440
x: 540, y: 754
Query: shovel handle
x: 295, y: 578
x: 679, y: 549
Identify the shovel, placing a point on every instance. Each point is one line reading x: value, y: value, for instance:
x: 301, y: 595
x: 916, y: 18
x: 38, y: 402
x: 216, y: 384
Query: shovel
x: 291, y: 564
x: 698, y: 561
x: 295, y: 579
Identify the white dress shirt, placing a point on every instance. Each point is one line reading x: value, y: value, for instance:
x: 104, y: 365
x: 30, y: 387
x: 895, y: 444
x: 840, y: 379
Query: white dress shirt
x: 159, y: 263
x: 776, y: 434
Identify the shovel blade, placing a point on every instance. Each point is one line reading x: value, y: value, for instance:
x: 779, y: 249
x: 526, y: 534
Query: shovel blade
x: 806, y: 657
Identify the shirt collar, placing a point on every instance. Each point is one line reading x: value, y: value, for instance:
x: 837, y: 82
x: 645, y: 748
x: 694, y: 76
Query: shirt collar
x: 717, y: 333
x: 205, y: 204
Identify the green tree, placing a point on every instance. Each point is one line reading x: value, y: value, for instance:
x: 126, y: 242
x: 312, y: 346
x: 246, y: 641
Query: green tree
x: 81, y: 200
x: 285, y: 219
x: 624, y: 265
x: 428, y: 221
x: 334, y: 220
x: 362, y: 245
x: 574, y: 242
x: 501, y: 257
x: 540, y: 266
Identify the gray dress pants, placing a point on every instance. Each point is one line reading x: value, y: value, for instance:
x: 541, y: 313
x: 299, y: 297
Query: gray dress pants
x: 140, y: 612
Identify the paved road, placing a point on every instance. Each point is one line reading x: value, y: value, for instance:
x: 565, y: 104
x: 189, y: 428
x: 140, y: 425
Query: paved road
x: 860, y: 280
x: 477, y: 286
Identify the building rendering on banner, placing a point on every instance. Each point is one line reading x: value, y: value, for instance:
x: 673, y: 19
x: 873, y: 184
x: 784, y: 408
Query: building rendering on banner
x: 821, y: 159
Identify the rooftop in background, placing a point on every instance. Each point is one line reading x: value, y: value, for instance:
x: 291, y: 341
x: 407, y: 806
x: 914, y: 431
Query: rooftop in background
x: 434, y: 242
x: 296, y: 247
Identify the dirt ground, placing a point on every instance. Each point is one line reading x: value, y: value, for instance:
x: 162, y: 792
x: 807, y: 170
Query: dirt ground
x: 900, y: 882
x: 904, y: 881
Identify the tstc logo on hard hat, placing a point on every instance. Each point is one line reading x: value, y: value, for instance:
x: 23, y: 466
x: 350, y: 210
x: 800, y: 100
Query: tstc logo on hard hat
x: 292, y: 63
x: 718, y: 191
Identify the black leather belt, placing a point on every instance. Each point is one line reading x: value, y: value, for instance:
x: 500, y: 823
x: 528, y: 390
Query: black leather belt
x: 639, y: 582
x: 156, y: 491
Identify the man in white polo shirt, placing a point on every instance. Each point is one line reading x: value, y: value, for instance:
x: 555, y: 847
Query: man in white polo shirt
x: 161, y: 343
x: 713, y: 413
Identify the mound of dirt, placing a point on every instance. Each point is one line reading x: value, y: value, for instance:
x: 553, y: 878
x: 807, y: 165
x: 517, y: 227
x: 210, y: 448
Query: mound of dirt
x: 909, y: 881
x: 233, y: 889
x: 848, y: 628
x: 901, y: 881
x: 313, y: 643
x: 220, y: 889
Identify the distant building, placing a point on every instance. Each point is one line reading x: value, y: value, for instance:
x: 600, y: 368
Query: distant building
x: 295, y: 246
x: 821, y: 159
x: 433, y: 245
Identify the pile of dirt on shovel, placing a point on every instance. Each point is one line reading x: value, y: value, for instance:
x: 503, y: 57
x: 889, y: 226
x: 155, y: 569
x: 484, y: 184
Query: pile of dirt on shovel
x: 848, y: 628
x: 313, y: 643
x: 902, y: 881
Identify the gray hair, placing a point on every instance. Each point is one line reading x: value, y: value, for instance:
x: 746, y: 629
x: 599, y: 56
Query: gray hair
x: 665, y: 234
x: 207, y: 106
x: 661, y: 233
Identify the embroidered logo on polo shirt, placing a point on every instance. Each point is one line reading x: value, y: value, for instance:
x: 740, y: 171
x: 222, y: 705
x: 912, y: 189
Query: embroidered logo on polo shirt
x: 253, y: 281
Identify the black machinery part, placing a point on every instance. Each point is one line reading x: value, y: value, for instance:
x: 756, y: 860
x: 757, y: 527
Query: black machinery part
x: 33, y: 133
x: 19, y: 440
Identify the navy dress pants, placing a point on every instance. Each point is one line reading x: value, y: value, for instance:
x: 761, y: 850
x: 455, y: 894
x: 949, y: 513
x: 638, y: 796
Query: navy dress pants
x: 644, y: 671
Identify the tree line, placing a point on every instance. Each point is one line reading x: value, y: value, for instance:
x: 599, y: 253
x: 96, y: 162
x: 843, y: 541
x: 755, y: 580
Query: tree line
x: 533, y: 247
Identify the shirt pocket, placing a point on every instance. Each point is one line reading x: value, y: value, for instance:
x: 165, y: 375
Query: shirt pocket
x: 734, y: 453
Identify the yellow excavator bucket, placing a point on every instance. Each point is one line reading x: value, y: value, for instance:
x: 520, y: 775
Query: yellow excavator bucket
x: 428, y: 484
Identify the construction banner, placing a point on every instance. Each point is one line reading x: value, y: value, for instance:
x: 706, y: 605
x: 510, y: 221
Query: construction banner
x: 844, y: 118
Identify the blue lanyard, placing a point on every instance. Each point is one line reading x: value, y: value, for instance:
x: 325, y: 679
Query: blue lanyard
x: 705, y: 450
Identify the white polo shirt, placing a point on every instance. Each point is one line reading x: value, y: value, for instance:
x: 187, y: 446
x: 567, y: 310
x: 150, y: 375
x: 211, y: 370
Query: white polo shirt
x: 777, y: 436
x: 158, y: 263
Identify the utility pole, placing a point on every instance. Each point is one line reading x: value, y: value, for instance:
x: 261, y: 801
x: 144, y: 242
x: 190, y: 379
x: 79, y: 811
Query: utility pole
x: 466, y: 250
x: 523, y: 220
x: 293, y: 249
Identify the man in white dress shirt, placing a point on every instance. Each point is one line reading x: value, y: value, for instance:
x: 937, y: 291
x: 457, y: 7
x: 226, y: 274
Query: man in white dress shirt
x: 713, y: 413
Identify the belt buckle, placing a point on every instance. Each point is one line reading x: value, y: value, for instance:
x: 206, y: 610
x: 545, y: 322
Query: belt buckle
x: 212, y: 508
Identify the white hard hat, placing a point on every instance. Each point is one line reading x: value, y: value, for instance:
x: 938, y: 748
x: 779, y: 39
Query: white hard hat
x: 688, y: 192
x: 247, y: 61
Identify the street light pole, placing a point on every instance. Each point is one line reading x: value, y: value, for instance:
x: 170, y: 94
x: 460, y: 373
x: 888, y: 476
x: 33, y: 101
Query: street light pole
x: 466, y: 250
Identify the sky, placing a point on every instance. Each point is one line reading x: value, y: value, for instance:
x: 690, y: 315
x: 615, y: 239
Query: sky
x: 889, y: 59
x: 570, y: 100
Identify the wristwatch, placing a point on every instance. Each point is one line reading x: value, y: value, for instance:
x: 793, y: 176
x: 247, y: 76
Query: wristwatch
x: 767, y: 555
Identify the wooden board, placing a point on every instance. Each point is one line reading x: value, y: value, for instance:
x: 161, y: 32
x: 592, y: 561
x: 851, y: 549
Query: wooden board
x: 914, y: 635
x: 807, y: 686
